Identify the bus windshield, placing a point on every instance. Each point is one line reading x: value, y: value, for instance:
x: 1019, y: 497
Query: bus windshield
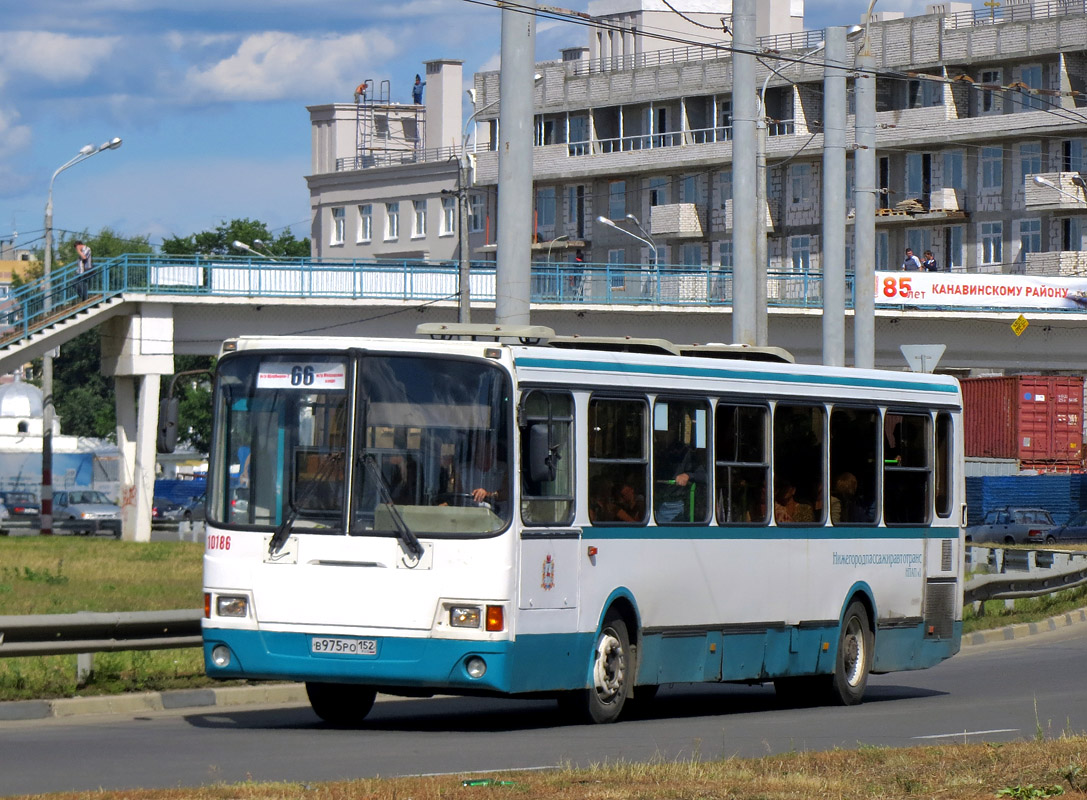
x: 419, y: 441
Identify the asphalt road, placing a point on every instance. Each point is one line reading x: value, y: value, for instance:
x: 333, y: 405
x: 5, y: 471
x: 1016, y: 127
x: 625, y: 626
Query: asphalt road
x: 997, y: 692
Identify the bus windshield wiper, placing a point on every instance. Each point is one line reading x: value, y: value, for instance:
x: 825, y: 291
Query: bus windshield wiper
x: 283, y: 530
x: 408, y: 539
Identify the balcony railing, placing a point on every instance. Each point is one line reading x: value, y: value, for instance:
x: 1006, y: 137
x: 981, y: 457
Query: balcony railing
x: 1012, y: 11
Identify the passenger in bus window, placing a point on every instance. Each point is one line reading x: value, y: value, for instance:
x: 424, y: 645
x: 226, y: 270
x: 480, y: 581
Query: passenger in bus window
x: 602, y: 505
x: 843, y: 500
x: 630, y: 504
x: 787, y: 508
x: 678, y: 470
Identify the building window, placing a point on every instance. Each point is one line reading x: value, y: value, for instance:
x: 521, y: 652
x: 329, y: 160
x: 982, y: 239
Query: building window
x: 579, y: 135
x: 392, y: 221
x: 476, y: 216
x: 724, y: 185
x: 545, y: 207
x: 956, y: 253
x: 800, y: 253
x: 989, y: 99
x: 883, y: 250
x: 691, y: 257
x: 1074, y: 155
x: 418, y: 221
x: 449, y: 216
x: 1030, y: 159
x: 1026, y: 100
x: 953, y: 170
x: 688, y: 189
x: 617, y: 199
x: 1030, y: 237
x: 915, y: 174
x: 658, y: 191
x: 1073, y: 232
x: 990, y: 240
x: 992, y: 168
x: 338, y: 223
x: 366, y: 223
x: 922, y: 93
x: 616, y: 259
x: 919, y: 240
x: 800, y: 182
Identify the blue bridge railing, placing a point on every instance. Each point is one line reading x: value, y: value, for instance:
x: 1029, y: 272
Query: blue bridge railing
x: 41, y: 303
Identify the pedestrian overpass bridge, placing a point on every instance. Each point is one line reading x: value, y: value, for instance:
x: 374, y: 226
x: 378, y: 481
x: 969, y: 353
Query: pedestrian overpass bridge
x: 153, y: 307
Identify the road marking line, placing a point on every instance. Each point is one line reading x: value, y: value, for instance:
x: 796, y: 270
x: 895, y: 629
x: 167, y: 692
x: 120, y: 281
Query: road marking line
x: 966, y: 733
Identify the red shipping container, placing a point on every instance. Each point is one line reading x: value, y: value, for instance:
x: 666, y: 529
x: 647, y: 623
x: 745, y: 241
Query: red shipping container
x: 1033, y: 418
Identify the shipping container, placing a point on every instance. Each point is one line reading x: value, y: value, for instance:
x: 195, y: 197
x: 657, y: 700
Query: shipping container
x: 1036, y: 419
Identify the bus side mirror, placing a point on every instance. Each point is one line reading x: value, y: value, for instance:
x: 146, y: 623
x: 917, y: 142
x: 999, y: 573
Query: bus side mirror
x: 167, y: 433
x: 541, y: 462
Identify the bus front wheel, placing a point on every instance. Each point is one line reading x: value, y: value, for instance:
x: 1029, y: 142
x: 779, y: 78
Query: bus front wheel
x: 341, y: 704
x: 854, y: 657
x: 612, y: 673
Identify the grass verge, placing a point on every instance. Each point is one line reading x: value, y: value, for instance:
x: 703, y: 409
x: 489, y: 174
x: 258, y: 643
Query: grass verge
x: 65, y: 574
x: 1036, y: 769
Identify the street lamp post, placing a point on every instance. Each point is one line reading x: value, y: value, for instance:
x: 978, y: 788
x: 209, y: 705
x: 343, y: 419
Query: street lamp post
x: 464, y: 181
x: 864, y: 192
x: 84, y: 153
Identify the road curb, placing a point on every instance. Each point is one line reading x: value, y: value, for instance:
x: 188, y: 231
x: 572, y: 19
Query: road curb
x: 295, y: 693
x: 136, y: 702
x: 1023, y: 629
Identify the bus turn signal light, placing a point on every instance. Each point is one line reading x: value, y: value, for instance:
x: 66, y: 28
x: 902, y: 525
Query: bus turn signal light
x: 496, y: 618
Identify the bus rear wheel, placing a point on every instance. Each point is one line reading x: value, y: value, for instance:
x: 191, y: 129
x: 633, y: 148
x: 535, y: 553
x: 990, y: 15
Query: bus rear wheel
x: 341, y: 704
x: 612, y: 675
x: 854, y: 658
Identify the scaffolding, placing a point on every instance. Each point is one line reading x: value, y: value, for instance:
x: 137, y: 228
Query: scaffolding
x: 386, y: 132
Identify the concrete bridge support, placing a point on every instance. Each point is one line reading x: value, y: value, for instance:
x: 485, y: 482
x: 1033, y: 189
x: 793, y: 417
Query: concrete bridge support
x: 137, y: 350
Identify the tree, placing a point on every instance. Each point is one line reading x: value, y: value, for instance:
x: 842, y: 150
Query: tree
x: 220, y: 242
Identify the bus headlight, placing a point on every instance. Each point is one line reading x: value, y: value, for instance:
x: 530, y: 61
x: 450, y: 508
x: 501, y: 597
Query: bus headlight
x: 220, y: 655
x: 229, y: 605
x: 464, y: 616
x: 476, y: 667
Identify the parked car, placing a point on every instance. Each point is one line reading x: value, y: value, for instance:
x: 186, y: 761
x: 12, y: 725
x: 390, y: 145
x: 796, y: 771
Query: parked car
x: 166, y: 512
x: 23, y: 507
x: 86, y: 511
x: 5, y: 521
x: 194, y: 509
x: 1013, y: 526
x: 1072, y: 532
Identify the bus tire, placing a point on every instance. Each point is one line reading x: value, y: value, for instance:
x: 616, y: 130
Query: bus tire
x: 854, y: 657
x: 340, y: 704
x: 613, y: 672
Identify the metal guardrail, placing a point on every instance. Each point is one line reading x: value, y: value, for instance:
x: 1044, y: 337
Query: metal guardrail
x: 93, y: 632
x: 1011, y: 574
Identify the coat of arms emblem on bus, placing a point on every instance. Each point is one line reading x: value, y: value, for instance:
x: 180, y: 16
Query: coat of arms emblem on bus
x: 548, y: 573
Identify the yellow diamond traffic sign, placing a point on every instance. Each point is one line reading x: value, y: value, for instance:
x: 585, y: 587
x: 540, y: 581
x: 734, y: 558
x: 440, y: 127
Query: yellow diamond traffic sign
x: 1020, y: 325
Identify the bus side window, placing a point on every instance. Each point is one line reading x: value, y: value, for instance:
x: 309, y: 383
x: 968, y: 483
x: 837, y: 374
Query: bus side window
x: 741, y: 462
x: 618, y: 461
x: 854, y: 472
x: 944, y: 464
x: 549, y: 502
x: 907, y: 468
x: 681, y: 484
x: 799, y: 481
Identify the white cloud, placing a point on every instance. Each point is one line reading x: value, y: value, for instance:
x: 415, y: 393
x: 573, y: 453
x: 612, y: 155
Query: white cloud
x: 273, y: 65
x: 54, y: 57
x: 13, y: 137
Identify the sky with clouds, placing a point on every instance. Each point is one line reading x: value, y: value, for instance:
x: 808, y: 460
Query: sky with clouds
x: 210, y: 99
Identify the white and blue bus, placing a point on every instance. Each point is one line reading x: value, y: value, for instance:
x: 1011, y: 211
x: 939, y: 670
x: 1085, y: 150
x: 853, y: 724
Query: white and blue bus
x: 585, y: 519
